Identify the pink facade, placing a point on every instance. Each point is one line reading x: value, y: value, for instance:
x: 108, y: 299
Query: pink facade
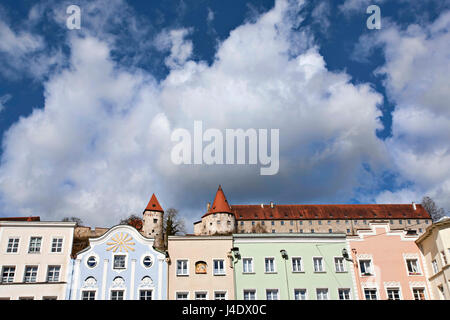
x: 388, y: 264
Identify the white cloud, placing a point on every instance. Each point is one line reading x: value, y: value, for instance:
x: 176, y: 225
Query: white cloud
x: 416, y: 70
x: 101, y: 145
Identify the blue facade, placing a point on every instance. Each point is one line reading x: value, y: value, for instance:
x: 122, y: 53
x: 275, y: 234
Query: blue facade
x: 121, y: 264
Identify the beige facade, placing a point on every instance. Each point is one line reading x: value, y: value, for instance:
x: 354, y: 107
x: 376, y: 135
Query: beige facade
x: 35, y: 259
x: 216, y: 224
x: 435, y: 246
x: 200, y: 268
x: 348, y: 226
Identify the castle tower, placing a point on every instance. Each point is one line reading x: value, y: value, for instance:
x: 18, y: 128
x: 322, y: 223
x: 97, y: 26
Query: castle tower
x: 219, y: 219
x: 152, y: 224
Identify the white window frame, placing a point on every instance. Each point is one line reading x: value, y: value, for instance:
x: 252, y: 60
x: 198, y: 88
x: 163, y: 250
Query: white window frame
x: 113, y: 265
x: 277, y: 291
x: 299, y: 289
x: 249, y: 290
x: 205, y: 292
x: 421, y: 288
x: 302, y: 270
x: 88, y: 290
x: 327, y: 294
x: 25, y: 273
x: 18, y: 245
x: 40, y: 245
x: 377, y: 296
x: 371, y: 268
x: 58, y: 272
x: 146, y: 289
x: 394, y: 288
x: 322, y: 264
x: 182, y: 292
x: 344, y: 267
x: 435, y: 266
x: 225, y: 292
x: 251, y: 264
x: 124, y: 297
x: 349, y: 293
x: 187, y: 268
x: 223, y: 272
x: 274, y: 265
x: 9, y: 274
x: 61, y: 248
x: 419, y: 271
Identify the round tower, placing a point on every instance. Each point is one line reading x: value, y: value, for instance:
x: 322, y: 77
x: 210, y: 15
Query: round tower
x: 219, y: 219
x: 152, y: 222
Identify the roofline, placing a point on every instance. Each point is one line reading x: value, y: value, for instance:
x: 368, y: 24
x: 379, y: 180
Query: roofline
x: 290, y: 235
x: 178, y: 238
x: 429, y: 230
x: 38, y: 223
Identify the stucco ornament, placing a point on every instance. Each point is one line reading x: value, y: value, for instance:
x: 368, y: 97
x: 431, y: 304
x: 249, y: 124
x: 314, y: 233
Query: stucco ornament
x: 90, y: 283
x: 146, y: 282
x: 118, y: 282
x: 121, y: 242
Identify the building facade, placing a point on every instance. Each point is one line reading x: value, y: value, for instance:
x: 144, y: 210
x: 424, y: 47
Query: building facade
x: 119, y: 265
x: 35, y: 259
x: 388, y: 264
x: 200, y: 268
x: 223, y: 218
x: 292, y: 266
x: 435, y: 246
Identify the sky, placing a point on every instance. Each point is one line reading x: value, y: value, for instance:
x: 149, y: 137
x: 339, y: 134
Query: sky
x: 87, y: 115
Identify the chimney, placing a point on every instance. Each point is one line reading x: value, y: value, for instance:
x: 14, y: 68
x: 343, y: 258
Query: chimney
x: 414, y: 205
x: 208, y: 206
x: 271, y: 204
x: 262, y: 205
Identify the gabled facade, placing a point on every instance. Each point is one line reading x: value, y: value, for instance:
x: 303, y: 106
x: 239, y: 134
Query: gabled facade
x: 292, y: 267
x: 35, y: 259
x: 388, y: 264
x: 120, y: 265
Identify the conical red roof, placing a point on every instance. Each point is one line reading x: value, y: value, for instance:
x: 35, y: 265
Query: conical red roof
x: 220, y: 204
x: 153, y: 205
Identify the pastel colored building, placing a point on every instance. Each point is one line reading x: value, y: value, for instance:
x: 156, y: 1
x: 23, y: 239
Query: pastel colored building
x: 35, y: 259
x: 292, y: 266
x: 435, y: 246
x: 200, y: 268
x: 388, y: 264
x: 119, y: 265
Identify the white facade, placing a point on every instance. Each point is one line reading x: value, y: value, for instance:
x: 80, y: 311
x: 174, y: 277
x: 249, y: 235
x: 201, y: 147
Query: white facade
x: 35, y: 259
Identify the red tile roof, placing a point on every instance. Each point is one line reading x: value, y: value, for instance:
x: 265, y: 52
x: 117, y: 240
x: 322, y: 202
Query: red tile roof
x: 220, y: 204
x: 20, y: 219
x: 330, y: 211
x: 153, y: 205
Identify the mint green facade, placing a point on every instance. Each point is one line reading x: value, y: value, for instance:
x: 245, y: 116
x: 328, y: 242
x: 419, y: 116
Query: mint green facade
x: 285, y: 280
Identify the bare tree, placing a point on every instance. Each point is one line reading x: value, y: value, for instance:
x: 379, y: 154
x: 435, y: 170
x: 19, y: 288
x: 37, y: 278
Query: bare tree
x: 173, y: 224
x: 78, y: 221
x: 431, y: 207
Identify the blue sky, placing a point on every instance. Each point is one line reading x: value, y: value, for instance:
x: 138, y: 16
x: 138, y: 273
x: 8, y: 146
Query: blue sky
x: 86, y: 115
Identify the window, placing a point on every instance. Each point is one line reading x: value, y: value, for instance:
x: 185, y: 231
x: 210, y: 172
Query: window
x: 145, y: 295
x: 320, y: 222
x: 365, y: 221
x: 219, y: 267
x: 116, y: 294
x: 444, y: 258
x: 300, y: 294
x: 247, y: 265
x: 249, y: 295
x: 339, y: 264
x: 242, y: 223
x: 88, y: 295
x: 200, y: 296
x: 35, y: 245
x: 13, y: 245
x: 292, y: 223
x: 310, y: 222
x: 344, y: 294
x: 419, y: 293
x: 8, y: 274
x: 147, y: 261
x: 312, y: 230
x: 92, y: 262
x: 30, y: 274
x: 413, y: 267
x: 119, y: 261
x: 435, y: 266
x: 49, y: 298
x: 220, y: 295
x: 393, y: 294
x: 322, y: 294
x: 329, y: 221
x: 269, y: 265
x: 282, y: 223
x: 400, y: 221
x: 273, y: 223
x: 391, y: 221
x: 409, y: 221
x: 182, y: 296
x: 53, y: 273
x: 318, y: 264
x: 301, y: 230
x: 57, y: 245
x: 253, y: 223
x: 273, y: 230
x: 182, y: 267
x: 348, y: 230
x: 365, y: 267
x: 330, y: 230
x: 370, y: 294
x: 297, y: 265
x: 272, y: 294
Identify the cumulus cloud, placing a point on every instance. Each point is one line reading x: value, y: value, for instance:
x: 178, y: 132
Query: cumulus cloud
x: 416, y: 79
x: 101, y: 144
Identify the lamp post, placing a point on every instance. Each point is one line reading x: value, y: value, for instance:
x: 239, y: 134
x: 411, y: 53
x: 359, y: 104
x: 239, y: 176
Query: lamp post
x: 236, y: 255
x: 285, y: 257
